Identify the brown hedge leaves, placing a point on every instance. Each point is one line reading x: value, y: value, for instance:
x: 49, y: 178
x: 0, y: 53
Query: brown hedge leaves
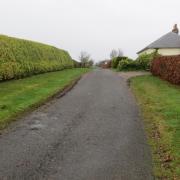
x: 167, y: 67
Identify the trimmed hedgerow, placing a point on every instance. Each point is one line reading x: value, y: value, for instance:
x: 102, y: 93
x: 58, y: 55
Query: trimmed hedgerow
x: 76, y: 64
x: 20, y: 58
x: 167, y: 67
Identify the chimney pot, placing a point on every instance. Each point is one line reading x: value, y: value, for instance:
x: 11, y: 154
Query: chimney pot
x: 175, y: 29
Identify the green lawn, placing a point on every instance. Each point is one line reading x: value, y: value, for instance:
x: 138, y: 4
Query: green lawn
x: 160, y: 104
x: 17, y: 96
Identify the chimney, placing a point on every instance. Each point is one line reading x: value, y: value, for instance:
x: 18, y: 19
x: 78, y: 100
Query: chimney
x: 175, y: 29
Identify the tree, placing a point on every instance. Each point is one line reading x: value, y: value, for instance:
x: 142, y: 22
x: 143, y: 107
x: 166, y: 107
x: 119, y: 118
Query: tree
x: 113, y: 54
x: 116, y: 53
x: 91, y: 62
x: 120, y: 53
x: 84, y: 57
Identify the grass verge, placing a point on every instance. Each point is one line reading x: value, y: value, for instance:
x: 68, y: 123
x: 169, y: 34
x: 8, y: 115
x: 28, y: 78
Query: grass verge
x: 18, y: 96
x: 160, y: 105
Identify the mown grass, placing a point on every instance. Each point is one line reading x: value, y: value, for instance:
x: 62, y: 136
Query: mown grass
x: 160, y: 104
x: 17, y: 96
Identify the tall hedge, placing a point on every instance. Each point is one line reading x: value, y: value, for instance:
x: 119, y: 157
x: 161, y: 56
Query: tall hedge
x: 167, y: 67
x: 20, y: 58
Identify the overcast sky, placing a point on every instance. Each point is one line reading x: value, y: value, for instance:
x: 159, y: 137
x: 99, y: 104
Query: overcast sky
x: 95, y: 26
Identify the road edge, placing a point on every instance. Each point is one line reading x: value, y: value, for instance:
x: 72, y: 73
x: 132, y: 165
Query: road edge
x: 59, y: 94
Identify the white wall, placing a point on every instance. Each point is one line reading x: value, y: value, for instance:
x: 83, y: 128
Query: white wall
x: 169, y: 52
x: 147, y: 51
x: 164, y: 52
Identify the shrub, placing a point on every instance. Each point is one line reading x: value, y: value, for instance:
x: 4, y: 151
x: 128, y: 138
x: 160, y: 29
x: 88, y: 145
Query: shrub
x: 76, y: 64
x: 167, y: 67
x: 20, y: 58
x: 144, y: 61
x: 127, y: 65
x: 116, y: 60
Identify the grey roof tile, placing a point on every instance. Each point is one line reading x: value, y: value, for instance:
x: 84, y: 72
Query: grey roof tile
x: 169, y: 40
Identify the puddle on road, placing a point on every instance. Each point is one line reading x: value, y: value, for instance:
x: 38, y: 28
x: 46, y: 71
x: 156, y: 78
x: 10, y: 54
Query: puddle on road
x: 36, y: 126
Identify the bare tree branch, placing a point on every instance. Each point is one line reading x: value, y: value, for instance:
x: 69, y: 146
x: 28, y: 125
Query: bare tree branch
x: 84, y: 57
x: 116, y: 53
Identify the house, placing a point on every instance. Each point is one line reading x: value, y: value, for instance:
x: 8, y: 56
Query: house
x: 167, y: 45
x: 105, y: 64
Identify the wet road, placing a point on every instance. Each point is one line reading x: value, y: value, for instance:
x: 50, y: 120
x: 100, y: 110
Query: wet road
x: 94, y: 132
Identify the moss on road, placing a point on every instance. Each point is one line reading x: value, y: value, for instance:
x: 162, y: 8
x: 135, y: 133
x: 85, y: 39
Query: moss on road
x: 17, y: 96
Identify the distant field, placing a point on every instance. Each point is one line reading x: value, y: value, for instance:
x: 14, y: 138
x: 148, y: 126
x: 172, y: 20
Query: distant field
x: 160, y: 104
x: 17, y: 96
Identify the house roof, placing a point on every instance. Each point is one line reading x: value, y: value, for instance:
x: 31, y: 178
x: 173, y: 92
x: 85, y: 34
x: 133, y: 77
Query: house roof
x: 169, y: 40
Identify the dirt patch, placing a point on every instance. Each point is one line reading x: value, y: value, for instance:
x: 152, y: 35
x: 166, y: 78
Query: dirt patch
x: 130, y: 74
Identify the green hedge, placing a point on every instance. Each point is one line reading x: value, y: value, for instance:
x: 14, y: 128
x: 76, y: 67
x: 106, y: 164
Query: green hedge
x: 127, y: 65
x: 143, y: 62
x: 20, y: 58
x: 116, y: 60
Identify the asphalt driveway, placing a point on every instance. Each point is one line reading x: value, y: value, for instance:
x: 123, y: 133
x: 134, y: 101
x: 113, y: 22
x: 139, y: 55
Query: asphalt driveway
x: 94, y: 132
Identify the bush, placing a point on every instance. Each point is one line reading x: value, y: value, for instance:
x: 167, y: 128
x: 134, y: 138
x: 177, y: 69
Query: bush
x: 144, y: 61
x: 127, y: 65
x: 76, y: 64
x: 20, y: 58
x: 167, y: 67
x: 116, y: 60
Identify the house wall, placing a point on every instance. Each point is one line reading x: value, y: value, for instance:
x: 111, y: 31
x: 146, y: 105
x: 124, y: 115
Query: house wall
x: 147, y: 51
x: 169, y: 52
x: 164, y: 52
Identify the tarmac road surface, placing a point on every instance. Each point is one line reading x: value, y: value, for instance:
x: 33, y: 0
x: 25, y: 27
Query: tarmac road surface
x: 94, y: 132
